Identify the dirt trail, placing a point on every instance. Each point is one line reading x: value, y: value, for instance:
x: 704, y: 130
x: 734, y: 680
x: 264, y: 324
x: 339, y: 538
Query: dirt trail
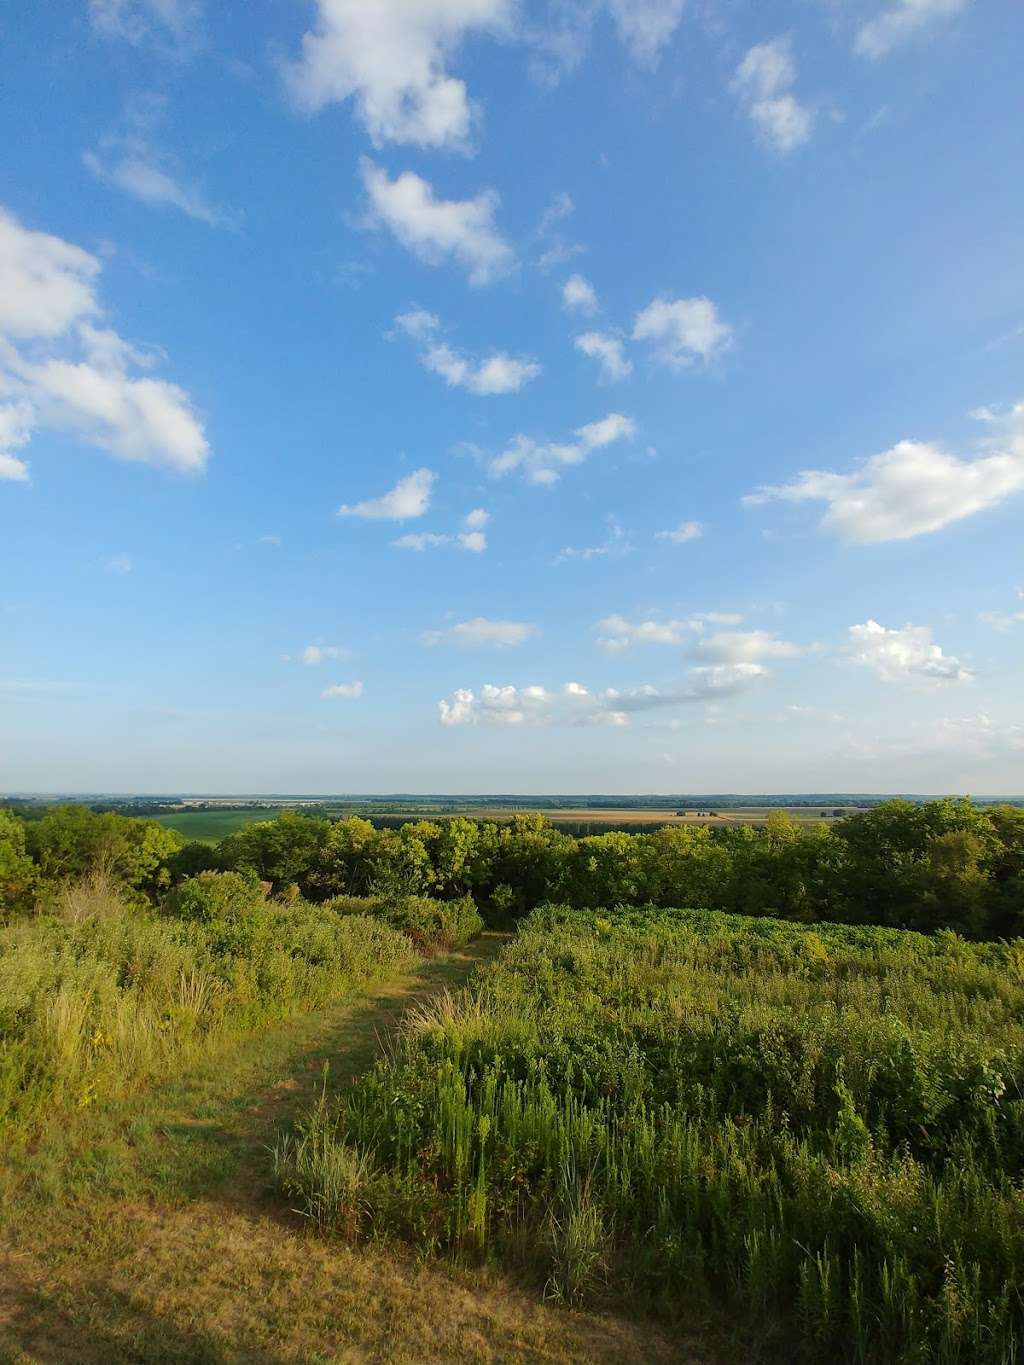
x: 180, y: 1251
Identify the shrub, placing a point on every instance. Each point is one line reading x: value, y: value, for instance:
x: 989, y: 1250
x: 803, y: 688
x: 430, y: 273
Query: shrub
x: 103, y: 994
x: 820, y: 1129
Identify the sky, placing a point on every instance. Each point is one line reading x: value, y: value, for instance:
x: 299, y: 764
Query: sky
x: 479, y: 396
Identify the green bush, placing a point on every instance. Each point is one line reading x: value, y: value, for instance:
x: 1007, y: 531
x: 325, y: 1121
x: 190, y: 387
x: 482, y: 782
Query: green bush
x: 103, y: 994
x: 434, y: 926
x: 821, y: 1129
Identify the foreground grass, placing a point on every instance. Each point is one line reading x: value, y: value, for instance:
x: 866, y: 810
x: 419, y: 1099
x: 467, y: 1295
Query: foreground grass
x: 148, y: 1231
x: 821, y: 1131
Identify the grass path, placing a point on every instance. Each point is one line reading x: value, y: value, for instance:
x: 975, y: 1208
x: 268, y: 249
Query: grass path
x: 149, y: 1233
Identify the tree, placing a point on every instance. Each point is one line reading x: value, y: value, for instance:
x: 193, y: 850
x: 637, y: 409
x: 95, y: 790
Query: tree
x: 18, y: 875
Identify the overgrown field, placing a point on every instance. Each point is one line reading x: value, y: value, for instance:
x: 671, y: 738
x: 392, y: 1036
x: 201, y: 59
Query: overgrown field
x: 820, y: 1130
x: 100, y: 994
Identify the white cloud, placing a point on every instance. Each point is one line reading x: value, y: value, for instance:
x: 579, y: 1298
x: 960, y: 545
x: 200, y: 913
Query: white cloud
x: 317, y: 654
x: 543, y: 461
x: 560, y: 207
x: 762, y: 83
x: 409, y: 498
x: 645, y: 26
x: 679, y: 535
x: 913, y: 488
x: 63, y: 372
x: 391, y: 57
x: 618, y: 633
x: 745, y: 647
x: 46, y: 284
x: 130, y: 159
x: 480, y: 631
x: 418, y: 324
x: 435, y: 230
x: 682, y: 330
x: 347, y: 691
x: 471, y: 538
x: 498, y: 373
x: 981, y: 735
x: 421, y: 540
x: 903, y: 655
x: 902, y: 21
x: 171, y: 24
x: 614, y: 544
x: 606, y: 349
x: 13, y: 469
x: 119, y: 564
x: 579, y: 295
x: 574, y: 704
x: 1002, y: 621
x: 16, y: 422
x: 139, y: 173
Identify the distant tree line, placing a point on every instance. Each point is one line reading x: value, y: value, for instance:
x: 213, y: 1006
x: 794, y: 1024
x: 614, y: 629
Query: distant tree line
x: 939, y: 864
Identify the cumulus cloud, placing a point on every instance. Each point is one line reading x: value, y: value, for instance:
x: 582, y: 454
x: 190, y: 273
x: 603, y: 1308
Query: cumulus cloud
x: 900, y: 22
x: 494, y: 374
x: 59, y: 370
x: 911, y: 489
x: 436, y: 230
x: 132, y: 161
x: 645, y: 26
x: 391, y: 58
x: 904, y: 655
x: 679, y: 535
x: 13, y: 469
x: 343, y: 691
x: 607, y: 350
x: 579, y: 295
x: 682, y: 331
x: 119, y: 564
x: 480, y: 631
x: 477, y: 519
x: 542, y: 462
x: 762, y: 83
x: 421, y: 540
x: 574, y: 704
x: 16, y: 422
x: 409, y: 498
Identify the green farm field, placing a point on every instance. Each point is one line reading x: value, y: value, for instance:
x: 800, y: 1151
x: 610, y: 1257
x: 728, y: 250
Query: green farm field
x: 210, y: 826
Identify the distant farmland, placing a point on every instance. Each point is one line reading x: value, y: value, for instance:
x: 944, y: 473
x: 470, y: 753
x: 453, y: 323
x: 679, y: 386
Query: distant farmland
x: 210, y: 826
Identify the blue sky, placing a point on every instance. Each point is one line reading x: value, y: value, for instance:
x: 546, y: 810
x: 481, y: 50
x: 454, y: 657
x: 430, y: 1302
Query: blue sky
x: 457, y: 395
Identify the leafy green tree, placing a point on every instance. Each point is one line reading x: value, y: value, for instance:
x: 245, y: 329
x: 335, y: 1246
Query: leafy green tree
x: 18, y: 876
x: 282, y: 851
x: 71, y: 842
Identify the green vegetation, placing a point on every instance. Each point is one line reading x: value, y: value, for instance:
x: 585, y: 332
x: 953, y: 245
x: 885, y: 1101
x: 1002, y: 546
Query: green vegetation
x: 99, y: 995
x: 781, y: 1109
x: 210, y: 826
x: 820, y: 1129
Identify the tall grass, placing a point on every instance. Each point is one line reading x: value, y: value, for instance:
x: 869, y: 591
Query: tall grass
x: 822, y: 1130
x: 101, y: 994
